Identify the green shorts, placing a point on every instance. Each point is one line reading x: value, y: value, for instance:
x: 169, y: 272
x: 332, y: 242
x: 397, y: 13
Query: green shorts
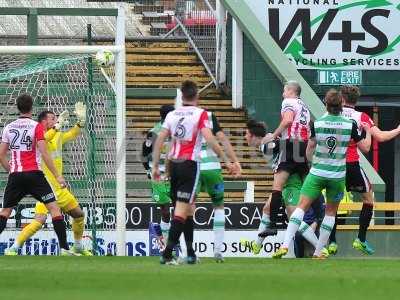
x: 212, y: 182
x: 313, y: 186
x: 161, y: 192
x: 291, y: 196
x: 291, y: 190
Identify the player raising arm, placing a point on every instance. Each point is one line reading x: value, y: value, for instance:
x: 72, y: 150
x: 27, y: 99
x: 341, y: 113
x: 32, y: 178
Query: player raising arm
x: 55, y: 139
x: 327, y: 147
x: 255, y: 133
x: 25, y: 140
x: 356, y: 179
x: 293, y: 131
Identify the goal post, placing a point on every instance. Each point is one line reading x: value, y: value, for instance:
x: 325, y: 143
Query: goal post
x: 58, y: 76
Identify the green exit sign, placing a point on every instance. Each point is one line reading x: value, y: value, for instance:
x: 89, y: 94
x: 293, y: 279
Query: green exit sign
x: 339, y: 77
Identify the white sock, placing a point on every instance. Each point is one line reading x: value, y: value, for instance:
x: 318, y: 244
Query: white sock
x: 165, y: 229
x: 219, y: 229
x: 78, y: 244
x: 324, y: 233
x: 308, y: 233
x: 293, y: 226
x: 264, y: 224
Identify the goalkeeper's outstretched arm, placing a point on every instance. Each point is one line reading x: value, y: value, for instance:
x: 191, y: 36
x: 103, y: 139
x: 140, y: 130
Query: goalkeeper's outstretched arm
x: 80, y: 113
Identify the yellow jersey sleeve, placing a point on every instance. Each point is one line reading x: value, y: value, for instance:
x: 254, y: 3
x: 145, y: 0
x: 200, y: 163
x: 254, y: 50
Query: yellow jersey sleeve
x: 50, y: 134
x: 70, y: 134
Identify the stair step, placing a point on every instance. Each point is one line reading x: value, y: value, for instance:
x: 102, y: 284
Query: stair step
x: 155, y: 58
x: 155, y: 113
x: 150, y: 44
x: 171, y: 101
x: 132, y: 50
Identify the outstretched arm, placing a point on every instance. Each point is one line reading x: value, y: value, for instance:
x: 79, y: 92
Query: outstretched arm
x: 71, y: 134
x: 384, y: 136
x: 364, y: 144
x: 223, y: 139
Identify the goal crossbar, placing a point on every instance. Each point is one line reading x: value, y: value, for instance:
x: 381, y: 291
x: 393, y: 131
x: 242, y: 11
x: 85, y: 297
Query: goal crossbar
x: 59, y: 49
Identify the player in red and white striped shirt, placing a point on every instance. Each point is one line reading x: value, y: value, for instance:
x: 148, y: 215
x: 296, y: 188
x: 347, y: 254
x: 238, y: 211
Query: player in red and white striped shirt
x: 293, y: 133
x: 186, y: 126
x: 24, y: 138
x: 356, y: 179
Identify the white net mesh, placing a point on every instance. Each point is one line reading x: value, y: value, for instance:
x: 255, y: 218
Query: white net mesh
x: 56, y: 84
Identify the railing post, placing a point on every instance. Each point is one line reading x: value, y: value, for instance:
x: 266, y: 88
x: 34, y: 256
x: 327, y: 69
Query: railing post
x: 237, y: 65
x: 220, y: 69
x: 32, y: 25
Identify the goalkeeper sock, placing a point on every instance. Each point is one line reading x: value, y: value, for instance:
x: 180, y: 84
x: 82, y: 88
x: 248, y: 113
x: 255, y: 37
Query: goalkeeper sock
x: 308, y: 233
x: 264, y: 224
x: 165, y: 229
x: 365, y: 219
x: 59, y: 228
x: 188, y: 232
x: 324, y: 233
x: 293, y: 226
x: 177, y: 227
x: 3, y: 223
x: 78, y: 224
x: 28, y: 231
x: 219, y: 229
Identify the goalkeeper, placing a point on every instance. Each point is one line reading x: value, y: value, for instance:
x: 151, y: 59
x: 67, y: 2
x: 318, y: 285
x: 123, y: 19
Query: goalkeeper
x: 55, y: 140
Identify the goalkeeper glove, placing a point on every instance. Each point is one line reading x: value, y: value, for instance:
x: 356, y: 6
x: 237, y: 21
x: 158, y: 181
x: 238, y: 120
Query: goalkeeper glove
x: 62, y: 120
x: 80, y: 113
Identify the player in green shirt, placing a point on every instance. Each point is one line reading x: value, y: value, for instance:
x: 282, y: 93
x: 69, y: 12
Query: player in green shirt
x: 327, y: 147
x: 212, y: 182
x: 255, y: 133
x: 160, y: 189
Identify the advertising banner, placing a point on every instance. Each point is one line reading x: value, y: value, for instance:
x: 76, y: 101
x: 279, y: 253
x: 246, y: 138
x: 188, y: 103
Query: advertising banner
x: 141, y: 243
x: 334, y: 34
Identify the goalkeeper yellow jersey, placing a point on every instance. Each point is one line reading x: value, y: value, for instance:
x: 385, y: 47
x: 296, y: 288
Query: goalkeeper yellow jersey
x: 55, y: 141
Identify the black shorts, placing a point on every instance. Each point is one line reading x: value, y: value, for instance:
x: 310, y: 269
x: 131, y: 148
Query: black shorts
x: 356, y: 179
x: 184, y: 179
x: 291, y: 157
x: 21, y: 184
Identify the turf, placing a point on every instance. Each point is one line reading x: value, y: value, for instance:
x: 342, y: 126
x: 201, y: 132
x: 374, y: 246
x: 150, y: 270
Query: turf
x: 143, y: 278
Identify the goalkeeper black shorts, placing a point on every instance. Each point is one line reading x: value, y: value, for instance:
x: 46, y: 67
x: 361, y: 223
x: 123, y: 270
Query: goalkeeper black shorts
x: 184, y: 179
x: 21, y: 184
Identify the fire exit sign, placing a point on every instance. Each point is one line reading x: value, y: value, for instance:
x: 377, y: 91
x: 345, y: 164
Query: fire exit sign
x: 339, y: 77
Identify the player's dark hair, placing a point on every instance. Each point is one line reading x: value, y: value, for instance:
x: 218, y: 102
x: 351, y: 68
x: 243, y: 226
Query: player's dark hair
x: 189, y: 90
x: 24, y: 103
x: 350, y: 94
x: 43, y: 115
x: 333, y: 101
x: 259, y: 129
x: 164, y: 110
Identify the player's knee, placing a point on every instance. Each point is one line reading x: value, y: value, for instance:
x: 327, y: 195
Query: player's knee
x: 266, y: 208
x: 367, y: 198
x: 6, y: 212
x: 40, y: 218
x: 76, y: 213
x: 165, y: 214
x: 53, y: 208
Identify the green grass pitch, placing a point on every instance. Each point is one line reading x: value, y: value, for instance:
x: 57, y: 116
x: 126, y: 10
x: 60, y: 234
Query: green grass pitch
x: 143, y: 278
